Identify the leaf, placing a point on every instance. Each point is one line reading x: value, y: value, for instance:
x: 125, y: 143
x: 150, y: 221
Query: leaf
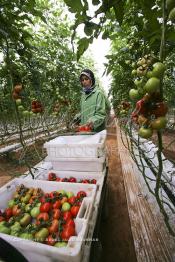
x: 82, y: 46
x: 119, y: 11
x: 170, y: 36
x: 74, y: 6
x: 89, y: 27
x: 95, y: 2
x: 105, y: 35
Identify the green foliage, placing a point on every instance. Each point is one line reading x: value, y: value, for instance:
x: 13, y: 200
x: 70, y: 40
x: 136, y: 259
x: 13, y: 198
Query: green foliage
x: 40, y: 57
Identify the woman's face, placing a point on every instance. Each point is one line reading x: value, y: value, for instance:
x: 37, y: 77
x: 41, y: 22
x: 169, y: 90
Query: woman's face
x: 85, y: 81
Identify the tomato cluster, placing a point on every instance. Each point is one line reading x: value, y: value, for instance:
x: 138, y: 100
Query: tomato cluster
x: 53, y: 177
x: 43, y: 217
x: 123, y: 108
x: 36, y: 106
x: 150, y: 110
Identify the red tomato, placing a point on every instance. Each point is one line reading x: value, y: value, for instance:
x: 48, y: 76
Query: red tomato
x: 45, y: 207
x: 54, y: 226
x: 85, y: 181
x: 87, y: 128
x: 72, y: 200
x: 42, y: 199
x: 53, y: 194
x: 78, y: 203
x: 64, y: 179
x: 72, y: 180
x: 93, y: 181
x: 16, y: 210
x: 42, y: 217
x: 64, y: 199
x: 51, y: 240
x: 8, y: 213
x: 67, y: 215
x: 52, y: 176
x: 81, y: 129
x: 58, y: 179
x: 32, y: 199
x: 140, y: 107
x: 74, y: 210
x: 69, y: 222
x: 134, y: 117
x: 57, y: 204
x: 81, y: 194
x: 56, y: 213
x: 67, y: 233
x: 160, y: 109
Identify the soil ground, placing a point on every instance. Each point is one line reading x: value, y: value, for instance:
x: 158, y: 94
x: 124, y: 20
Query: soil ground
x: 115, y: 231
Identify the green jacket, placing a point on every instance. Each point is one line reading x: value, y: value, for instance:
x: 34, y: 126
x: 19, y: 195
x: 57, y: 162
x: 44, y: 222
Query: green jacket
x: 94, y: 108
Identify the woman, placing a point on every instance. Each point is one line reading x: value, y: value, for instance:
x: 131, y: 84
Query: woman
x: 94, y: 104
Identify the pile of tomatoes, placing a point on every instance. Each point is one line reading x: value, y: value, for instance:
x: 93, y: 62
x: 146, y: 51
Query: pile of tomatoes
x: 43, y: 217
x: 150, y: 110
x: 53, y: 177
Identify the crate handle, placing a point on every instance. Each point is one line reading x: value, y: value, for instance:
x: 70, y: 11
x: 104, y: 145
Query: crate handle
x: 87, y: 212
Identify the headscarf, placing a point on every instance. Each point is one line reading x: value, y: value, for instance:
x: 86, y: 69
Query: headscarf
x: 90, y: 75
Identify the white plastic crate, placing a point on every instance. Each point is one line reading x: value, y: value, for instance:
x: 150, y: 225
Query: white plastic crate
x: 99, y: 176
x: 41, y: 167
x: 41, y: 252
x: 81, y: 146
x: 79, y: 164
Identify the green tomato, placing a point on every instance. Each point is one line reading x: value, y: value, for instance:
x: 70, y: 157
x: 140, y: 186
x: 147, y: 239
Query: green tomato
x: 18, y: 101
x: 152, y: 85
x: 41, y: 235
x: 28, y: 236
x: 145, y: 132
x: 60, y: 244
x: 25, y: 199
x: 63, y: 192
x: 15, y: 232
x: 69, y: 194
x: 149, y: 74
x: 25, y: 220
x: 66, y: 206
x: 16, y: 226
x: 2, y: 223
x: 159, y: 123
x: 35, y: 211
x: 134, y: 72
x: 25, y: 113
x: 5, y: 230
x: 28, y: 208
x: 158, y: 69
x: 11, y: 203
x: 134, y: 94
x: 20, y: 108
